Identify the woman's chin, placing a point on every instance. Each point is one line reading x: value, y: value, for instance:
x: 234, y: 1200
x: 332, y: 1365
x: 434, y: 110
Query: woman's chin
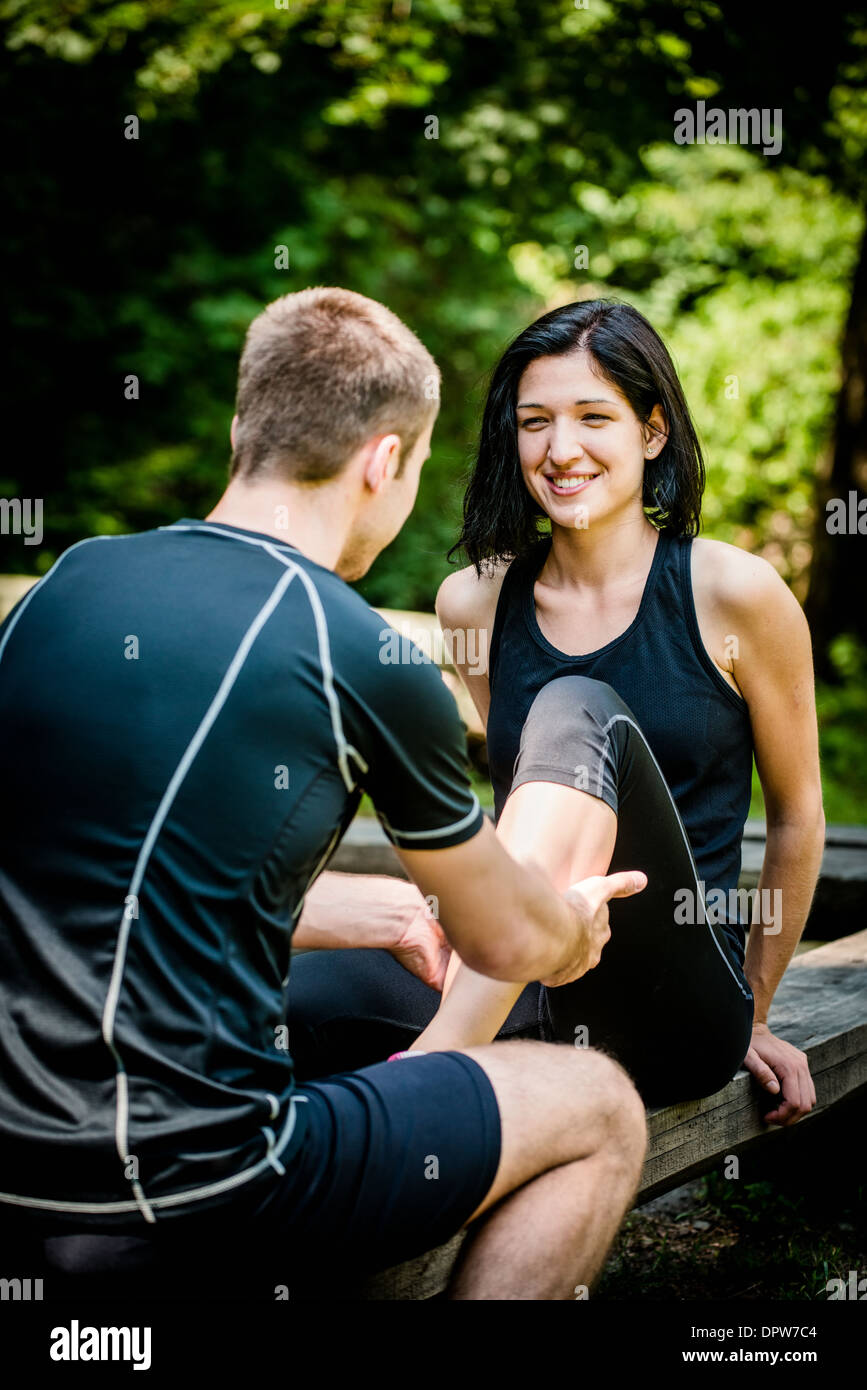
x: 572, y: 516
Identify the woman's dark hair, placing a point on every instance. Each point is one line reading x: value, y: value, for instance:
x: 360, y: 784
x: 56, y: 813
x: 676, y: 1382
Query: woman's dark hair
x: 500, y: 517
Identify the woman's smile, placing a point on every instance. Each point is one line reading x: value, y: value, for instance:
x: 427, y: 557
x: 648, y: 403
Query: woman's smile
x: 568, y: 484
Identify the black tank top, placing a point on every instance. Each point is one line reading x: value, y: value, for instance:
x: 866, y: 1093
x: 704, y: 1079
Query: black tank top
x: 697, y: 726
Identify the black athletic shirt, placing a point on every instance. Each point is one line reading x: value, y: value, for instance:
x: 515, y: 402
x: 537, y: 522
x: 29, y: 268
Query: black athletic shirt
x: 697, y: 727
x: 188, y: 719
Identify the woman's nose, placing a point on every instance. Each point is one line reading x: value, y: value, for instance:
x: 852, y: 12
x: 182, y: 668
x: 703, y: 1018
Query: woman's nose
x: 564, y: 448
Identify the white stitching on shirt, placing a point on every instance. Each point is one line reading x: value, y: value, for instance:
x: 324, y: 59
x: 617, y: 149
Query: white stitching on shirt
x: 344, y: 749
x: 443, y: 830
x: 156, y: 825
x: 172, y: 1199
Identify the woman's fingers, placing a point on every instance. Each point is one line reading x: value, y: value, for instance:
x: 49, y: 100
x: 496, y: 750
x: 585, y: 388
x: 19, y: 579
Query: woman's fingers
x: 761, y: 1071
x: 785, y: 1072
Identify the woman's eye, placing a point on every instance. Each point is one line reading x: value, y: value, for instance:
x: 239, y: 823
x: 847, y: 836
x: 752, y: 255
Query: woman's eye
x: 541, y: 420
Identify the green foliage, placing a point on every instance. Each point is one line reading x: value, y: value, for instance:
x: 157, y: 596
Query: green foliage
x: 305, y: 126
x: 842, y: 710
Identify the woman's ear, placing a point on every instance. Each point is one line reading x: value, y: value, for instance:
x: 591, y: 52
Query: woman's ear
x: 655, y: 433
x: 233, y: 430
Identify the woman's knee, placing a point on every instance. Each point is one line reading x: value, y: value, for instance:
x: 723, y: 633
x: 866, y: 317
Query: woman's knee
x: 574, y: 725
x: 570, y: 696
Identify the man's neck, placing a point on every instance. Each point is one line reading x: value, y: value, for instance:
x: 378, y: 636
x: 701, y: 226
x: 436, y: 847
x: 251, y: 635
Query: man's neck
x: 308, y: 518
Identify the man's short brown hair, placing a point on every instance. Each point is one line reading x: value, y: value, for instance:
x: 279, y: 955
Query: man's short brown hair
x: 321, y: 372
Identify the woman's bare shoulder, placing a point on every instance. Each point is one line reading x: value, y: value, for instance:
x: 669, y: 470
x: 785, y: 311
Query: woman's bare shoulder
x: 740, y: 592
x: 469, y: 599
x: 732, y: 576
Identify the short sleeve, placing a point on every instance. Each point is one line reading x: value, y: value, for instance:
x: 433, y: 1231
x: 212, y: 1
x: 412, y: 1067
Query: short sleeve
x: 404, y: 723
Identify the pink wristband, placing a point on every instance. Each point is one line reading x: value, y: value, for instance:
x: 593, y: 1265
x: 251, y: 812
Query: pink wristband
x: 395, y: 1056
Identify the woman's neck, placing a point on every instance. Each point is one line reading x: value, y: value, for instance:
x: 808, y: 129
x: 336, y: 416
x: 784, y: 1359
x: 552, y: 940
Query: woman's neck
x: 604, y: 553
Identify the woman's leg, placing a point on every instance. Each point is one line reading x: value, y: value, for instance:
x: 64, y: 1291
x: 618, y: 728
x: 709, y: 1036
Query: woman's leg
x: 669, y: 1001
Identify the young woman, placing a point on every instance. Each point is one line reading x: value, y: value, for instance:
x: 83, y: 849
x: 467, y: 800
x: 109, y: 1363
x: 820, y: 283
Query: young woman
x: 633, y: 670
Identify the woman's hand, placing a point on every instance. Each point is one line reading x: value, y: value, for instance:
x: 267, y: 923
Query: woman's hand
x: 783, y: 1070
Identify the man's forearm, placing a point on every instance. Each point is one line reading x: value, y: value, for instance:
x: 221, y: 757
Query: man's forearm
x: 348, y: 910
x: 793, y: 857
x: 509, y: 919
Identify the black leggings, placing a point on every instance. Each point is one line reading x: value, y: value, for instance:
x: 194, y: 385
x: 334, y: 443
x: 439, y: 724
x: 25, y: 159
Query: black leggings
x: 668, y: 1000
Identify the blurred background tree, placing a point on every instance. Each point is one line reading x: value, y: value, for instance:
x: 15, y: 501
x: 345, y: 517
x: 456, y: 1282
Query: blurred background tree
x: 450, y: 157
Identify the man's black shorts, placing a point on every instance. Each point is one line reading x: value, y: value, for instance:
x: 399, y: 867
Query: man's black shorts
x: 395, y: 1159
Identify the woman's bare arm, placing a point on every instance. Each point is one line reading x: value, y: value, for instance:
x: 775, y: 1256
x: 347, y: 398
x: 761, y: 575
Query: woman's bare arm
x: 771, y: 661
x: 466, y: 606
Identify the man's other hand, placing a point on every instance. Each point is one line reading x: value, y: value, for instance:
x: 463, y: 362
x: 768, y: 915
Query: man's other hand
x: 421, y: 946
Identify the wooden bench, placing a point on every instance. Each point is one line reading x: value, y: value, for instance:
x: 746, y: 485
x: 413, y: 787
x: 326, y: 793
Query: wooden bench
x: 820, y: 1007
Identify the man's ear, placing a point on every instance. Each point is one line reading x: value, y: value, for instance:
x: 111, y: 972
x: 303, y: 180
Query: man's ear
x: 233, y: 431
x: 382, y: 461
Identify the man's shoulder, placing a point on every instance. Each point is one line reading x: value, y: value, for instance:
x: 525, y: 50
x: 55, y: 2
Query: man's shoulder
x: 386, y: 664
x: 397, y: 658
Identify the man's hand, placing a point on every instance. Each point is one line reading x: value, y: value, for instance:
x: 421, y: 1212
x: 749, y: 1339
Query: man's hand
x: 590, y: 899
x: 379, y: 912
x: 783, y: 1070
x: 422, y: 948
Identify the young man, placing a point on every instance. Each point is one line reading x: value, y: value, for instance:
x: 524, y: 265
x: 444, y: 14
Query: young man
x: 188, y: 719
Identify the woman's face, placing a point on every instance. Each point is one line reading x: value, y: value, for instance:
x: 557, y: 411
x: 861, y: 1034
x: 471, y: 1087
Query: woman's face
x: 581, y: 445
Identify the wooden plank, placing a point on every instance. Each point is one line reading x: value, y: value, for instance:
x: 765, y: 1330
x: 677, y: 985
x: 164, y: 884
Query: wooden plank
x: 841, y: 892
x: 421, y: 1278
x: 12, y: 588
x: 837, y: 835
x: 820, y: 1006
x: 688, y: 1140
